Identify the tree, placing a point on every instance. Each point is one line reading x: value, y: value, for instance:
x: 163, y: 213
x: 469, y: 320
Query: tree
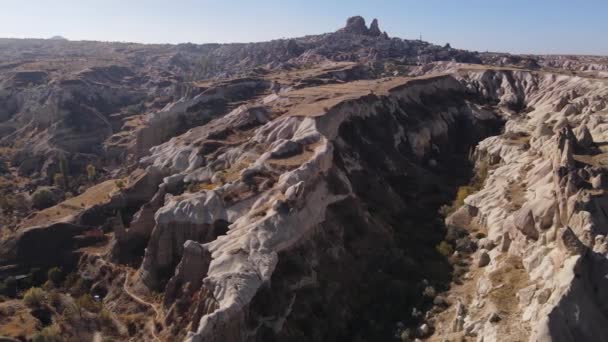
x: 43, y: 198
x: 34, y: 297
x: 59, y: 180
x: 91, y: 172
x: 64, y: 171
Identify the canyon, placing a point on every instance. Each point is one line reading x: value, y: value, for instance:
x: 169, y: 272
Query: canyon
x: 347, y: 186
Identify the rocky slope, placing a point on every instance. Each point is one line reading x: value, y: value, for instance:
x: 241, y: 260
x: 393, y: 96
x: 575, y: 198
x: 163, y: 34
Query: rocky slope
x: 541, y: 261
x: 313, y: 197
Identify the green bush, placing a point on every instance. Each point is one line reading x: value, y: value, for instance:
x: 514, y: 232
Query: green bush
x: 43, y: 198
x: 34, y: 297
x: 444, y: 248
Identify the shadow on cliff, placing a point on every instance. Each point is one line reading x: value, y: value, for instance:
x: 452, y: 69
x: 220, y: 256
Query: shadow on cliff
x: 368, y: 265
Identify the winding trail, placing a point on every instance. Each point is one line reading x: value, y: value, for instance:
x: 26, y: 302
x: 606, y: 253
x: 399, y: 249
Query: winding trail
x: 142, y: 301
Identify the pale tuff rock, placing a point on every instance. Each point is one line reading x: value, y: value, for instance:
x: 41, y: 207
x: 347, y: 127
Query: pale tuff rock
x: 524, y: 222
x: 265, y: 224
x: 256, y: 196
x: 535, y: 204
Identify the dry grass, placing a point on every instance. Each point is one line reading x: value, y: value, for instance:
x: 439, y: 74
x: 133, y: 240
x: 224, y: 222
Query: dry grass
x: 507, y: 281
x: 16, y: 320
x: 198, y: 187
x: 316, y: 101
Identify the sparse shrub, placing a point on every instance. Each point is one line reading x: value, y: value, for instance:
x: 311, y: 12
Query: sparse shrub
x: 48, y: 334
x: 10, y: 203
x: 444, y: 248
x: 481, y: 173
x: 105, y: 318
x: 34, y: 297
x: 120, y: 184
x: 463, y: 192
x: 429, y: 291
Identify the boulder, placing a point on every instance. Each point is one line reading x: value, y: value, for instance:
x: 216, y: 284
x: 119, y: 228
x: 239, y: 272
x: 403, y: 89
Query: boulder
x: 484, y: 259
x: 584, y: 138
x: 571, y: 243
x: 523, y: 220
x: 505, y: 243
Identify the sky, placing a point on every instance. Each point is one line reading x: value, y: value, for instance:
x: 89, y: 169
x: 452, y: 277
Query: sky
x: 516, y: 26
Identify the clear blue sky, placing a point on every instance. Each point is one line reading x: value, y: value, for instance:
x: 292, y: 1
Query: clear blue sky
x: 518, y: 26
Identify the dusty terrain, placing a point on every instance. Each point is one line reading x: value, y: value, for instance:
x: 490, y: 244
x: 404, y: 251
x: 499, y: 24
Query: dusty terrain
x: 349, y: 186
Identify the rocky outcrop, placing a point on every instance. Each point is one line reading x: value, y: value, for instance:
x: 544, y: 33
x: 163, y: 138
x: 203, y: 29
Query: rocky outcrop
x: 300, y: 177
x: 286, y: 191
x: 355, y: 25
x: 374, y: 28
x: 44, y: 246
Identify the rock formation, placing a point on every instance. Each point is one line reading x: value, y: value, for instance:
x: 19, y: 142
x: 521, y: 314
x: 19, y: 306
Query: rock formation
x: 303, y: 197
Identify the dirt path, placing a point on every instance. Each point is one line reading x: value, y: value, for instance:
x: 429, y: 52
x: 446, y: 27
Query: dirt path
x: 142, y: 301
